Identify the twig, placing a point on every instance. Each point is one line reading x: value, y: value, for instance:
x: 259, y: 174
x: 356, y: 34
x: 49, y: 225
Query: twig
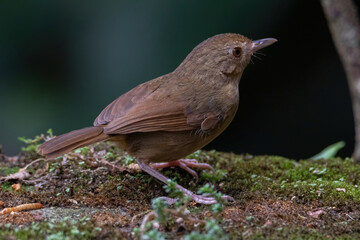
x: 133, y: 219
x: 35, y: 161
x: 42, y: 180
x: 114, y: 168
x: 345, y: 29
x: 148, y: 217
x: 20, y: 175
x: 180, y: 212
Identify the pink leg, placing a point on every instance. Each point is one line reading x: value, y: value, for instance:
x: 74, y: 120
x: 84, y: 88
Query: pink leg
x: 185, y: 164
x: 197, y: 198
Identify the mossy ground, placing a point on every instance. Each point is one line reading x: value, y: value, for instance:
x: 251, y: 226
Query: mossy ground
x: 275, y: 197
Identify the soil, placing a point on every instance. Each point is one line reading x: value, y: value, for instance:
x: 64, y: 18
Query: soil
x: 97, y: 192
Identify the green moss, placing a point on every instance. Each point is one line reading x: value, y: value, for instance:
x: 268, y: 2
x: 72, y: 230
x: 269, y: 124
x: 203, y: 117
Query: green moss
x: 5, y: 171
x: 6, y: 186
x: 273, y: 195
x: 331, y: 181
x: 289, y: 232
x: 66, y: 229
x: 214, y: 176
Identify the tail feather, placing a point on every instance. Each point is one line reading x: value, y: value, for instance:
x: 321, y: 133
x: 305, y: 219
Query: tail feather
x: 72, y: 140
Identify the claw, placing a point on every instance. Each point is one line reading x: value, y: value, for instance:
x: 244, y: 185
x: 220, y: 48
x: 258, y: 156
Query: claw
x: 184, y: 164
x: 197, y: 198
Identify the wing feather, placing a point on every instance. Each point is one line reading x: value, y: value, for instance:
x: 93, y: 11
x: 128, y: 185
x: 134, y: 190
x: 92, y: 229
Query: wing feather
x: 120, y: 106
x: 139, y: 110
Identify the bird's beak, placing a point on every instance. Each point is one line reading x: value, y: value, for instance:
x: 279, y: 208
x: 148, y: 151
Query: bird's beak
x: 261, y: 43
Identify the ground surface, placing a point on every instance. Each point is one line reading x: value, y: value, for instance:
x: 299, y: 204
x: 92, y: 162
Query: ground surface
x: 85, y: 197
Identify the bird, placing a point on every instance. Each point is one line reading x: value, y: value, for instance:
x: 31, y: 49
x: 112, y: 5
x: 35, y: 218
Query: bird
x: 161, y: 121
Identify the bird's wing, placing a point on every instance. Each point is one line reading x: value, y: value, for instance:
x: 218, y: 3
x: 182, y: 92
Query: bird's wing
x: 143, y: 110
x: 204, y: 121
x: 150, y: 116
x: 123, y: 104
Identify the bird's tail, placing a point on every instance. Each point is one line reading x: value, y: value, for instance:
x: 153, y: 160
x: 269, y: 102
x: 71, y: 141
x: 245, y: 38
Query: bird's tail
x: 69, y: 141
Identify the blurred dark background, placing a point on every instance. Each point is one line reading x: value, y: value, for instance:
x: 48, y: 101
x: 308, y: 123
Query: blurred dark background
x: 62, y: 62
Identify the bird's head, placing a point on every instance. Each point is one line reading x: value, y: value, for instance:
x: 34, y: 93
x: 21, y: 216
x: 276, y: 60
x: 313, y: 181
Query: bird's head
x: 223, y: 54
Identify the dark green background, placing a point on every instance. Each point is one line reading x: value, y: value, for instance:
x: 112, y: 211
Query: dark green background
x: 62, y: 62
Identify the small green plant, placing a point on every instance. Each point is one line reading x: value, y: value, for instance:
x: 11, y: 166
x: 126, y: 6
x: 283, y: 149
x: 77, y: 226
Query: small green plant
x: 154, y: 234
x: 174, y: 192
x: 163, y: 211
x: 66, y: 229
x: 159, y: 206
x: 195, y: 154
x: 128, y: 160
x: 209, y: 190
x: 213, y: 231
x: 151, y: 234
x: 330, y: 151
x: 83, y: 151
x: 33, y: 143
x: 214, y: 176
x: 110, y: 156
x: 50, y: 133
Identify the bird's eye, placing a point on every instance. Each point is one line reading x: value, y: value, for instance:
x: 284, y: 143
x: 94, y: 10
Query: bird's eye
x: 237, y: 52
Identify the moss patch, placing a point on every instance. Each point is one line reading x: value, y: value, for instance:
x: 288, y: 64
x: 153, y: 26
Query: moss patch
x: 275, y: 197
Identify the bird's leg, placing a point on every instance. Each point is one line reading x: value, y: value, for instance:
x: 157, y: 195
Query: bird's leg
x: 197, y: 198
x: 185, y: 164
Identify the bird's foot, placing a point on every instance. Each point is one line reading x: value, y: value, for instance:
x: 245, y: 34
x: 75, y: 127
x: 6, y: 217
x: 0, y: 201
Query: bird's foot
x: 185, y: 164
x: 199, y: 199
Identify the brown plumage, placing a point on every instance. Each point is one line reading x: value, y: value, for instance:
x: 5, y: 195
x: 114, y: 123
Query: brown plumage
x: 173, y: 115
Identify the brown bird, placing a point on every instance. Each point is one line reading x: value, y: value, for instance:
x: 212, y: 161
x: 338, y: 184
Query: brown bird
x: 165, y: 119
